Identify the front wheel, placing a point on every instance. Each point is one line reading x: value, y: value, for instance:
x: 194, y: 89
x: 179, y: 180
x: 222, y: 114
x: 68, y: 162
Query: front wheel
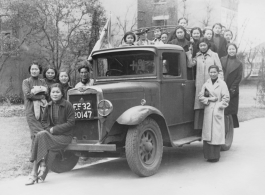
x: 64, y: 161
x: 229, y: 133
x: 144, y: 148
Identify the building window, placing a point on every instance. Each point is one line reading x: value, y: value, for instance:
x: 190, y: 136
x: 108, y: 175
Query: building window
x: 160, y: 22
x: 160, y: 1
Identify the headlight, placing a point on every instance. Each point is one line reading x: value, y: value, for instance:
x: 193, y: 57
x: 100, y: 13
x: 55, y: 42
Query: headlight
x: 104, y: 107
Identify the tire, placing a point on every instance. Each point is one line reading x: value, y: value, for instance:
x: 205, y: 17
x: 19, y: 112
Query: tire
x: 67, y: 163
x: 144, y: 148
x: 229, y: 133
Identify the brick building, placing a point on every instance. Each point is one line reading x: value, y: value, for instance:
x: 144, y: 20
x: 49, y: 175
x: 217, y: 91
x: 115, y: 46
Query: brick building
x: 157, y: 13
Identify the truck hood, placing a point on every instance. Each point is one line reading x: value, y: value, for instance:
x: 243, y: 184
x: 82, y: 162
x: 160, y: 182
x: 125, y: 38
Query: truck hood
x: 127, y: 87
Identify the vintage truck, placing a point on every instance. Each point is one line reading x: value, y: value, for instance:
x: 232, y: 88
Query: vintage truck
x: 142, y: 101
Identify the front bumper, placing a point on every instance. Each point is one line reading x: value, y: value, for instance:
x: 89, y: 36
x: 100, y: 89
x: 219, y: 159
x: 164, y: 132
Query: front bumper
x: 90, y: 146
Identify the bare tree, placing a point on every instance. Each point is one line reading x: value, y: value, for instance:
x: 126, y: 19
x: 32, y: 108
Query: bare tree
x: 183, y: 9
x: 208, y: 11
x: 250, y: 59
x: 58, y: 26
x: 124, y: 24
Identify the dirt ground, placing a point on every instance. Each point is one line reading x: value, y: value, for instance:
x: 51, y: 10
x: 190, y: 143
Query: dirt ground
x: 14, y: 147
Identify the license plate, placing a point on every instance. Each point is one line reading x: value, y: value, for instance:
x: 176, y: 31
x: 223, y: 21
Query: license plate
x: 83, y: 110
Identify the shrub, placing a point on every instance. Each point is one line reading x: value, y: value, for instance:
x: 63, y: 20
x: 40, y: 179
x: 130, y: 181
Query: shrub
x: 11, y: 99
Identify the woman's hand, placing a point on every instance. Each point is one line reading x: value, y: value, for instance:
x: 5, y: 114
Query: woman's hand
x: 212, y: 99
x: 51, y: 130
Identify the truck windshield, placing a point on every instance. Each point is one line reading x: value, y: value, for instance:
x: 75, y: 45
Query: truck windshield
x: 133, y: 63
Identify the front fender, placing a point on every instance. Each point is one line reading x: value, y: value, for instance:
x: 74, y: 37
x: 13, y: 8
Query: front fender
x: 137, y: 114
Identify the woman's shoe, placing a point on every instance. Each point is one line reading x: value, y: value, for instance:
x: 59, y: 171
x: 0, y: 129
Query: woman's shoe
x: 213, y: 160
x: 43, y: 172
x: 32, y: 179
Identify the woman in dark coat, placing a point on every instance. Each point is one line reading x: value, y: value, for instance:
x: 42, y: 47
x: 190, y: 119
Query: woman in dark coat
x: 233, y: 70
x: 179, y: 38
x: 58, y: 122
x: 196, y: 34
x: 50, y: 75
x: 219, y: 41
x: 181, y: 22
x: 208, y: 34
x: 64, y: 79
x: 34, y: 124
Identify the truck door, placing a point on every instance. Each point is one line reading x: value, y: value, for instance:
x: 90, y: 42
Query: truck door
x: 172, y: 88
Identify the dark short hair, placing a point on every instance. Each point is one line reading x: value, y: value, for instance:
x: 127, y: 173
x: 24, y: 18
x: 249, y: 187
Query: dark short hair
x: 230, y: 32
x: 182, y: 28
x: 157, y: 28
x: 196, y: 28
x: 231, y: 44
x: 35, y: 63
x: 183, y: 19
x: 213, y: 66
x: 204, y: 40
x: 127, y: 34
x: 164, y: 33
x: 52, y: 68
x: 83, y: 66
x: 217, y: 24
x: 204, y: 30
x: 56, y: 85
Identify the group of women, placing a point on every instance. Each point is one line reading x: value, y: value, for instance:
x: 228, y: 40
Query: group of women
x: 218, y: 74
x: 49, y: 115
x: 212, y: 55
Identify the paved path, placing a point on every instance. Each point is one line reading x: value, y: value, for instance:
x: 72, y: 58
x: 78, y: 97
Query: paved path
x: 240, y: 171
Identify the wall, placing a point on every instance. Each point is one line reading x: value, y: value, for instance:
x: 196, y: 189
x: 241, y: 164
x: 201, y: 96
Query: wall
x: 157, y: 13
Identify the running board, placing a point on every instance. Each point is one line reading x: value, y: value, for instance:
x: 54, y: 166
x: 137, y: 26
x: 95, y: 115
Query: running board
x: 187, y: 140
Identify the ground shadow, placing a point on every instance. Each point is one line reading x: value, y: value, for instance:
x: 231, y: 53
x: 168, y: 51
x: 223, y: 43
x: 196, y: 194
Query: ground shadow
x: 182, y: 157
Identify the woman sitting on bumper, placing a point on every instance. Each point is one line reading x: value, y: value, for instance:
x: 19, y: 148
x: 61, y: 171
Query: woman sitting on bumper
x: 58, y: 122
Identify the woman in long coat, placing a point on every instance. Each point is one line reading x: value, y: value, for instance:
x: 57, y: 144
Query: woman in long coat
x: 215, y: 97
x: 219, y: 41
x: 233, y: 70
x: 28, y: 84
x: 58, y: 122
x: 204, y: 59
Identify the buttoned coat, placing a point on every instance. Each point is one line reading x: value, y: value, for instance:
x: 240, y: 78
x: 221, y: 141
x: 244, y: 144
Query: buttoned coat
x: 233, y: 70
x: 213, y: 130
x: 204, y: 61
x: 66, y: 119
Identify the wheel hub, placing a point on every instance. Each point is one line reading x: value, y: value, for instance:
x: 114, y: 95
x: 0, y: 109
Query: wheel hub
x: 148, y: 146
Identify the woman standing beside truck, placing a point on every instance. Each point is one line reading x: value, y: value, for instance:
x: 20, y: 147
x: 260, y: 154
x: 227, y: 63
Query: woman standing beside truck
x: 203, y: 60
x: 214, y: 96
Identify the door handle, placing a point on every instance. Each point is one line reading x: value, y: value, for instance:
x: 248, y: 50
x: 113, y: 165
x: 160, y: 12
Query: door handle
x: 183, y: 84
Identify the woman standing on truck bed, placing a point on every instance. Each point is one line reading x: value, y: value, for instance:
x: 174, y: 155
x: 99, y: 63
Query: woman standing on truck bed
x: 204, y: 59
x: 215, y: 96
x: 179, y: 38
